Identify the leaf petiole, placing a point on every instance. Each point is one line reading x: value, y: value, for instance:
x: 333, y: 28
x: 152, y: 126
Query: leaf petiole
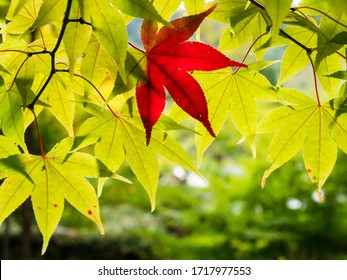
x: 43, y: 155
x: 315, y: 80
x: 136, y: 48
x: 251, y: 47
x: 319, y: 11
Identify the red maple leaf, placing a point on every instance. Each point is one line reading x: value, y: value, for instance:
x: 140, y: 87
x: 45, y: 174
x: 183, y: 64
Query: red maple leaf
x: 169, y: 57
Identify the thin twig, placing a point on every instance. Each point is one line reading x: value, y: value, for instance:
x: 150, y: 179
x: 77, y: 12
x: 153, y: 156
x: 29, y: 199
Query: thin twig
x: 321, y: 12
x: 53, y: 53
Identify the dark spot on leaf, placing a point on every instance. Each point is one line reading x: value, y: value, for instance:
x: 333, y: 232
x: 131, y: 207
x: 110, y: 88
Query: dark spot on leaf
x: 94, y: 206
x: 309, y: 170
x: 55, y: 205
x: 90, y: 212
x: 39, y: 208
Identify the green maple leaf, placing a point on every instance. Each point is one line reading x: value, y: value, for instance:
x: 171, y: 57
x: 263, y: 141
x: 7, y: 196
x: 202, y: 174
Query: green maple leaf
x: 11, y: 117
x: 76, y: 37
x: 277, y: 10
x: 119, y: 138
x: 50, y: 180
x: 139, y: 8
x: 110, y: 30
x: 302, y: 124
x: 295, y: 58
x: 7, y: 147
x: 22, y: 15
x: 234, y: 94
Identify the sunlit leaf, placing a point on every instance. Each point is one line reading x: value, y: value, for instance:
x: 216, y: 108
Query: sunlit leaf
x: 51, y: 10
x: 139, y: 8
x: 328, y: 31
x: 328, y: 66
x: 320, y: 149
x: 12, y: 117
x: 61, y: 99
x: 194, y: 7
x: 49, y: 182
x: 7, y: 147
x: 295, y: 58
x: 166, y: 8
x: 277, y: 10
x: 304, y: 125
x: 109, y: 28
x: 22, y: 17
x: 76, y: 37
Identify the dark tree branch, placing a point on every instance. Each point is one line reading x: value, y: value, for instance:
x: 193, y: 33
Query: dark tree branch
x: 53, y: 53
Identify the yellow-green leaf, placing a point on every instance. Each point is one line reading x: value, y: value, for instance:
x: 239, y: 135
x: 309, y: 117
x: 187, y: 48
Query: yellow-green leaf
x: 290, y: 138
x: 194, y: 7
x: 277, y: 10
x: 109, y: 28
x: 49, y: 180
x: 12, y: 118
x: 76, y: 37
x: 320, y: 149
x: 141, y: 160
x: 139, y: 8
x: 7, y: 147
x: 22, y: 17
x: 51, y: 10
x: 13, y: 192
x: 166, y: 8
x: 294, y: 60
x: 62, y: 101
x: 330, y: 65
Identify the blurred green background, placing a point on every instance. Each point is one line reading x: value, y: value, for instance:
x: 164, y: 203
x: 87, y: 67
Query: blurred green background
x: 227, y: 216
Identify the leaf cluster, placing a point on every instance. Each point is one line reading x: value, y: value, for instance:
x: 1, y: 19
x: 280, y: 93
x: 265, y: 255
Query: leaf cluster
x: 68, y: 57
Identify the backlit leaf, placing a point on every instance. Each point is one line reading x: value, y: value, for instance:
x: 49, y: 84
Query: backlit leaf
x: 97, y: 63
x: 166, y: 8
x: 328, y: 31
x: 21, y: 20
x: 194, y: 7
x: 320, y: 149
x: 76, y: 37
x: 7, y: 147
x: 139, y: 8
x: 109, y: 28
x: 277, y: 10
x: 303, y: 125
x: 12, y: 117
x: 328, y: 66
x: 51, y: 10
x: 49, y: 182
x: 62, y: 101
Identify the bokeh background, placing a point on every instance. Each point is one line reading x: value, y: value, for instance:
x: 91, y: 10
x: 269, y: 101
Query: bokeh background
x: 225, y: 216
